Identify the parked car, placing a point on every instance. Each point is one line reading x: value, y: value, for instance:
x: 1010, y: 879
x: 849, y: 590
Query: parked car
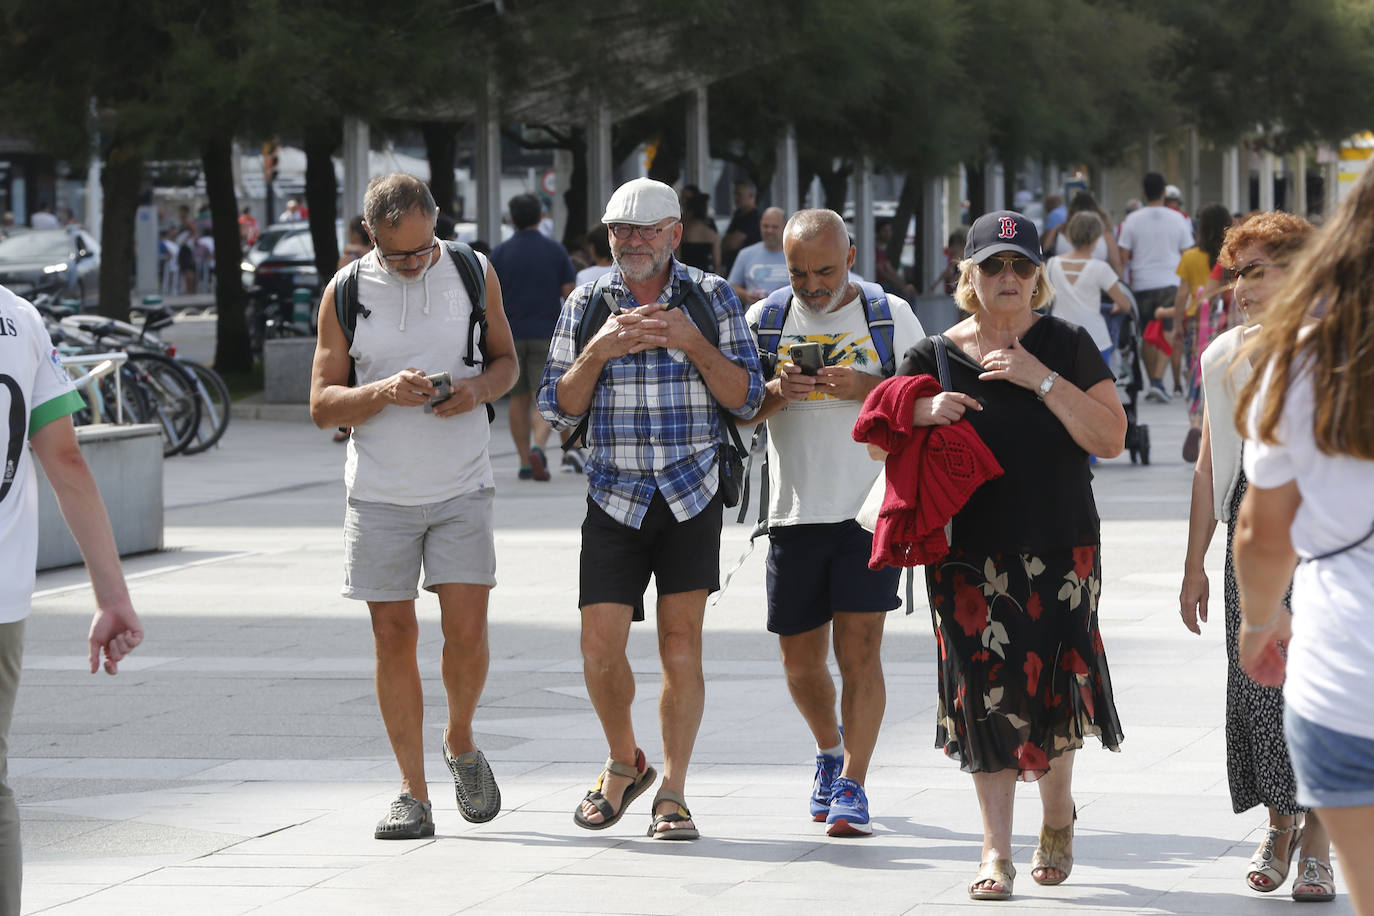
x: 64, y: 262
x: 281, y: 261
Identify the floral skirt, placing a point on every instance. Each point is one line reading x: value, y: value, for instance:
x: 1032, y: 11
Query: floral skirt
x: 1023, y: 674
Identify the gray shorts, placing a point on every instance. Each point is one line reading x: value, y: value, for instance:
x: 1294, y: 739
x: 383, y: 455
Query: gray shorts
x: 384, y: 545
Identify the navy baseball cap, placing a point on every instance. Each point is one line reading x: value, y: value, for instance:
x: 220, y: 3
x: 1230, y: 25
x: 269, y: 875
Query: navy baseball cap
x: 1002, y: 230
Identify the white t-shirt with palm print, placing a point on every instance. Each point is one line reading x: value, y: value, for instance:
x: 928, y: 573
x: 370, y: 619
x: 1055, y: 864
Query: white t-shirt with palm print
x: 817, y: 472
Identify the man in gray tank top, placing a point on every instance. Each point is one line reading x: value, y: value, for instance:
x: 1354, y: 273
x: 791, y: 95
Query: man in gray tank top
x: 408, y: 507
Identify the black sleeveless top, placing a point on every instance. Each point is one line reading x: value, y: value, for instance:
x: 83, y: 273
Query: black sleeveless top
x: 1044, y: 501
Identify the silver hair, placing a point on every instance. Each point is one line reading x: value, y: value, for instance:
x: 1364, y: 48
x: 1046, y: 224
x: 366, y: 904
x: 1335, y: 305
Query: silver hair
x: 807, y: 224
x: 389, y: 198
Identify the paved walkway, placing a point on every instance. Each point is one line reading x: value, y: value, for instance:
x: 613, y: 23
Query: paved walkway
x: 238, y: 762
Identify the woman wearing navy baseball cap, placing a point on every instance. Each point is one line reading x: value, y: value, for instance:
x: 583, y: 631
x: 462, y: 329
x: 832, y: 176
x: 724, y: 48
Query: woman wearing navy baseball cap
x: 1023, y: 674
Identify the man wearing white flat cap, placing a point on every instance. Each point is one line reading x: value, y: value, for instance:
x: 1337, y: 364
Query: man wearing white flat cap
x: 651, y: 388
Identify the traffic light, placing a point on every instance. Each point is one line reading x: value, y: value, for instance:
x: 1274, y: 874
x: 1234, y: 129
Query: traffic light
x: 269, y: 161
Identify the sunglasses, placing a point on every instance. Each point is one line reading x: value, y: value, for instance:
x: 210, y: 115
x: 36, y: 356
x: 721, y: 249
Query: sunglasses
x: 623, y: 231
x: 1253, y: 272
x: 992, y: 267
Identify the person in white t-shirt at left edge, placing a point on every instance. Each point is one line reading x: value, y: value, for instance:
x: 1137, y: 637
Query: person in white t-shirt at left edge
x: 818, y: 575
x: 37, y: 397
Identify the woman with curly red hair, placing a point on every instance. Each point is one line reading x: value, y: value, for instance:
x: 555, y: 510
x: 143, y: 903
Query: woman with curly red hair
x: 1256, y: 255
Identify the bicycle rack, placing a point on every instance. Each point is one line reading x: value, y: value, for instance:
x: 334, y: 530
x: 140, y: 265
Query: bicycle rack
x: 103, y: 364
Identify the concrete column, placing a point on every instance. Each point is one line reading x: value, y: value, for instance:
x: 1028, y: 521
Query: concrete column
x: 864, y: 264
x: 356, y: 169
x: 1266, y: 181
x: 934, y: 229
x: 1101, y: 185
x: 1298, y: 194
x: 488, y: 166
x: 994, y: 193
x: 1332, y: 188
x: 600, y: 169
x: 1051, y: 179
x: 1194, y: 199
x: 785, y: 178
x: 698, y: 165
x: 1230, y: 179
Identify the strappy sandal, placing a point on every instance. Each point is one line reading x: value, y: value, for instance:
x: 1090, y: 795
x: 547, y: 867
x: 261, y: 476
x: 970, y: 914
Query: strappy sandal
x: 1266, y: 865
x: 992, y: 872
x: 642, y: 775
x: 672, y: 817
x: 1052, y: 853
x: 1310, y: 875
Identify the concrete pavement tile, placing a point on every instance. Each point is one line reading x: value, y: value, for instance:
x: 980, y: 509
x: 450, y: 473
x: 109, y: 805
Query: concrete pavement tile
x: 196, y: 875
x: 140, y: 900
x: 591, y: 894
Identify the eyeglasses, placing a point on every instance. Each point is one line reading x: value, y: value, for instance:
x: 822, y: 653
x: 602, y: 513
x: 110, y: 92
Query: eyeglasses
x: 1253, y: 272
x: 623, y: 231
x: 992, y: 267
x: 399, y: 256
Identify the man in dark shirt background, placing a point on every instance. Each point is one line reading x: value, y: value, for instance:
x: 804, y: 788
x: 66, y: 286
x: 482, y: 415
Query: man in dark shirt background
x: 536, y: 275
x: 743, y: 230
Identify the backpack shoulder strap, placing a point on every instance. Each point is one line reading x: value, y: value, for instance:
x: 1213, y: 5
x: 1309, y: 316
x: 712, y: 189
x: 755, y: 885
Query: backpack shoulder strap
x: 475, y: 281
x: 594, y: 315
x: 698, y: 306
x: 773, y: 317
x: 878, y: 312
x: 346, y: 304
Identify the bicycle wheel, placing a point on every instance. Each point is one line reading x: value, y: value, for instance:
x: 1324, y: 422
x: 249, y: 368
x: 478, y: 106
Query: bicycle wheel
x: 171, y: 392
x: 214, y: 406
x: 125, y: 402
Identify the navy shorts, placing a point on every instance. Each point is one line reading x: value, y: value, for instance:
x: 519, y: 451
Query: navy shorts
x: 816, y: 571
x: 617, y: 560
x: 1333, y: 769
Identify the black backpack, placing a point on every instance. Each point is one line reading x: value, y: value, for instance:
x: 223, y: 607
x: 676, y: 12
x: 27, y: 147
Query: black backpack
x: 703, y: 316
x: 348, y: 308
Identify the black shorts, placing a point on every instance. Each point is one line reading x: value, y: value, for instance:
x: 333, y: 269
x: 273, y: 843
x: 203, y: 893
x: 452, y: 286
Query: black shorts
x: 816, y: 571
x: 1147, y: 300
x: 617, y: 560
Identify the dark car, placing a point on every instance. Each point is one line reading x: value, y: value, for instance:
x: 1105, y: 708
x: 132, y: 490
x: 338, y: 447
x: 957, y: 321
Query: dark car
x: 281, y: 261
x: 64, y: 262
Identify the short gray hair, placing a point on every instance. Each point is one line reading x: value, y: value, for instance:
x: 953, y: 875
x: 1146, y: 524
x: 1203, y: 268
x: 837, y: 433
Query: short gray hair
x: 389, y: 198
x: 807, y: 224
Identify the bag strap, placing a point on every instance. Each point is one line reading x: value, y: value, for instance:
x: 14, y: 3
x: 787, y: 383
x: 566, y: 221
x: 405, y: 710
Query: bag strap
x: 1340, y: 550
x: 600, y: 305
x: 942, y: 362
x: 881, y: 327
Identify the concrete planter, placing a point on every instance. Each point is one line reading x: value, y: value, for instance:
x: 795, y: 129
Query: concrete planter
x: 126, y: 462
x: 286, y: 370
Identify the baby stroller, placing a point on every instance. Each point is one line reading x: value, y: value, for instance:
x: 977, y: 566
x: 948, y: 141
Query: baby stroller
x: 1130, y: 381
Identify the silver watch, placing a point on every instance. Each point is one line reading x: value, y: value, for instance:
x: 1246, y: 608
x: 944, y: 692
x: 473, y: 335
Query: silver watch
x: 1046, y: 385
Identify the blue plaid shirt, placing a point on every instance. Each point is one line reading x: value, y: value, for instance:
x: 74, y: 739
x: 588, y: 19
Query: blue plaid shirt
x: 654, y: 424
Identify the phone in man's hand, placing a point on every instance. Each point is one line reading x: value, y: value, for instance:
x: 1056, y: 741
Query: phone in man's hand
x: 443, y: 389
x: 807, y: 357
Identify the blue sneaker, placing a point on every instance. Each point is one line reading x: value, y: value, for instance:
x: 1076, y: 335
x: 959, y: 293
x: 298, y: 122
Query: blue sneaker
x: 827, y: 769
x: 848, y: 809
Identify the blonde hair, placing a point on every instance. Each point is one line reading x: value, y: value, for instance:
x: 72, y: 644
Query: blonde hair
x: 967, y: 299
x: 1083, y: 229
x: 1330, y: 280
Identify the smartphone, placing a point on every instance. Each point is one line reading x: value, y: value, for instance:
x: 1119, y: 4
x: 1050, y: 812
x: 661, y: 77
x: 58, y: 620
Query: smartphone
x: 807, y: 357
x: 443, y: 389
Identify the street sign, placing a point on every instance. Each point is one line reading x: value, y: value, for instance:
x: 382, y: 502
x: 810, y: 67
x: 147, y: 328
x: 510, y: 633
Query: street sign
x: 548, y: 182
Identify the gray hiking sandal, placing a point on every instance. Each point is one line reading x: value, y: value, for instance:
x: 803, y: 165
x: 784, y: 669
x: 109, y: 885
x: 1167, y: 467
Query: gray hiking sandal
x: 408, y: 819
x: 479, y: 800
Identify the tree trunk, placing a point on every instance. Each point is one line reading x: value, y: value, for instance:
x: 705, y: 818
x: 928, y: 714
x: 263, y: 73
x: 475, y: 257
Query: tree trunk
x: 835, y: 183
x: 977, y: 198
x: 322, y: 194
x: 575, y: 198
x: 441, y: 147
x: 121, y: 183
x: 232, y: 350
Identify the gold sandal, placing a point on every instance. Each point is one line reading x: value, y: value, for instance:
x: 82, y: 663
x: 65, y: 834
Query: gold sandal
x: 1266, y: 864
x: 1053, y: 853
x: 992, y: 872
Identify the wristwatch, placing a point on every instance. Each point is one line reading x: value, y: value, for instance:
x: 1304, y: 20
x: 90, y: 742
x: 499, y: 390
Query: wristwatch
x: 1046, y: 385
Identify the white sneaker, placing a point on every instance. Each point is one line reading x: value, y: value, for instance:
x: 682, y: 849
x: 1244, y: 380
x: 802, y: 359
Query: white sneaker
x: 573, y: 460
x: 1157, y: 394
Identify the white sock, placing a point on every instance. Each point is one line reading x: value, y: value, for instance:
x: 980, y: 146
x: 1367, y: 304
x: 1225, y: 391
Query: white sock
x: 836, y: 751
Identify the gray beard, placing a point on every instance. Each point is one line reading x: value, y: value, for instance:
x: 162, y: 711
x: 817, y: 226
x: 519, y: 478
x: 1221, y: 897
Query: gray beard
x: 652, y: 271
